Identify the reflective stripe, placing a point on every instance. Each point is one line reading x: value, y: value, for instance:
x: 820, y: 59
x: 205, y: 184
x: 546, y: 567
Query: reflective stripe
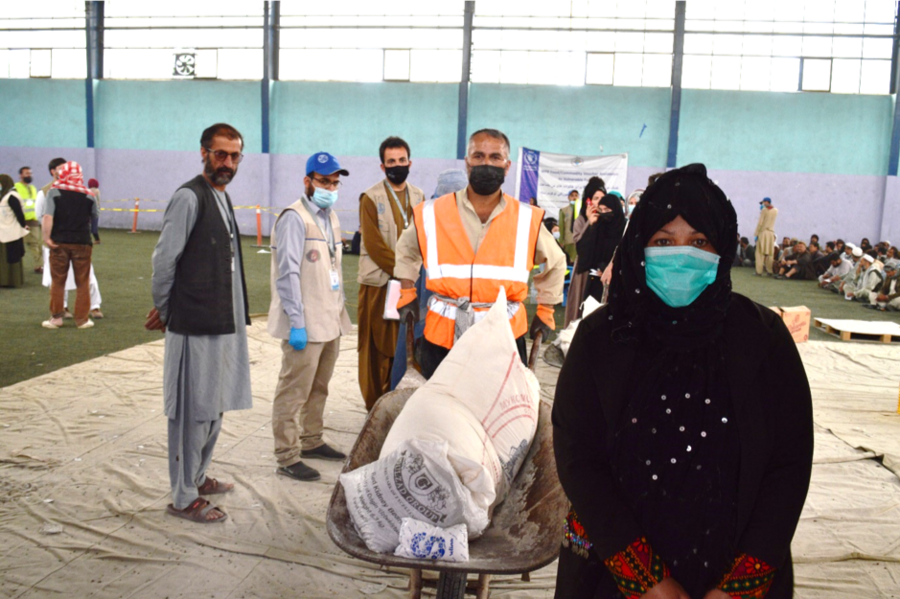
x: 431, y: 252
x: 481, y: 271
x: 523, y: 235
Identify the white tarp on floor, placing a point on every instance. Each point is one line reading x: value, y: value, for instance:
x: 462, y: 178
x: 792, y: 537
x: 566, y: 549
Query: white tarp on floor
x: 84, y: 485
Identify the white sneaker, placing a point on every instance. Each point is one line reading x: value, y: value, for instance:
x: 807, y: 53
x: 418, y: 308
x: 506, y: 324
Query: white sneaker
x: 86, y: 325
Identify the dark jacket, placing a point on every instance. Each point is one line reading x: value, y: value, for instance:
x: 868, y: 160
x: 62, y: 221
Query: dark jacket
x: 771, y: 405
x: 72, y: 218
x: 201, y: 301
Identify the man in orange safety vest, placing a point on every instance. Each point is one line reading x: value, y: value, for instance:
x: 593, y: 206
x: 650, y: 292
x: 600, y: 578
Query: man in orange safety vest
x: 472, y: 243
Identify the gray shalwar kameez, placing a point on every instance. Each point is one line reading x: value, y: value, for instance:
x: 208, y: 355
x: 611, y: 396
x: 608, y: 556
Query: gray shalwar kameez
x: 203, y: 375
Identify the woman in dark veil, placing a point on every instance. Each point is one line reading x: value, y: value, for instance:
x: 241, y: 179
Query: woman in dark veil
x: 682, y: 419
x: 596, y: 248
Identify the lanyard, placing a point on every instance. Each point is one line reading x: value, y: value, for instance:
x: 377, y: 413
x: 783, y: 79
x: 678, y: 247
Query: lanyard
x: 328, y: 232
x: 402, y: 206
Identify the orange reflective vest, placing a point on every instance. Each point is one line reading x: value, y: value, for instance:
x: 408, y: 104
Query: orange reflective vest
x: 455, y: 271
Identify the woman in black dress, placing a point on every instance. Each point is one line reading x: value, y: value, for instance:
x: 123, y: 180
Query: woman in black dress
x: 12, y: 230
x: 606, y: 222
x: 682, y: 419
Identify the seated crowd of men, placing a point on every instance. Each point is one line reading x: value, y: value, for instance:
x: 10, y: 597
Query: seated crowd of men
x: 865, y: 273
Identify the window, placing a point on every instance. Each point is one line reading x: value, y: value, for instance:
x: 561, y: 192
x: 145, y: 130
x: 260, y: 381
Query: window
x: 594, y: 42
x: 358, y: 40
x: 838, y: 46
x: 44, y: 39
x: 166, y: 40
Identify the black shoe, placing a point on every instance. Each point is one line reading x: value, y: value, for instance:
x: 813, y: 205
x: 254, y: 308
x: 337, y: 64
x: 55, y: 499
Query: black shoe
x: 869, y: 306
x: 299, y: 471
x: 323, y: 452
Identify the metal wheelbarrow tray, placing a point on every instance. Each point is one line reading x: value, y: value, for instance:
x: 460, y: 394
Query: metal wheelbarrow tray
x: 525, y: 530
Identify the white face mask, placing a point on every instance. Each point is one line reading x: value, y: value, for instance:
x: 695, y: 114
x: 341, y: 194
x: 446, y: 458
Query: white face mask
x: 556, y: 235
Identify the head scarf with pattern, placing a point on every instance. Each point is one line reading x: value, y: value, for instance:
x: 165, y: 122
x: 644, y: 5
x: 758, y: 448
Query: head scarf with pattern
x: 71, y: 178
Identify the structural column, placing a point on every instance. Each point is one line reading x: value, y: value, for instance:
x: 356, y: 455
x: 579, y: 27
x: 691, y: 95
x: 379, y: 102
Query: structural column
x: 677, y: 62
x: 271, y: 46
x: 93, y: 16
x: 463, y: 118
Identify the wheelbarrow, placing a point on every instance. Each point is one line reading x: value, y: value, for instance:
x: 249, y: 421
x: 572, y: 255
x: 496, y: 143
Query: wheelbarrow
x: 525, y: 530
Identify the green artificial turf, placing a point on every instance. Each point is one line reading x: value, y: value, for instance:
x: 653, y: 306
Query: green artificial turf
x: 122, y: 265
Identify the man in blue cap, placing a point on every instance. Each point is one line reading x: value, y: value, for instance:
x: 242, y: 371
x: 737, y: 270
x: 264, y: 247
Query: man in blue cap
x: 308, y: 314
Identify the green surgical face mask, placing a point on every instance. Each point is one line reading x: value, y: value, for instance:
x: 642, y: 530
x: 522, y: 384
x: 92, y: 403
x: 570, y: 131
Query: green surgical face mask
x: 678, y: 275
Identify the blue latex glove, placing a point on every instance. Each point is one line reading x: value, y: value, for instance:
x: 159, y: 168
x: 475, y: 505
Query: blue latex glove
x: 298, y: 338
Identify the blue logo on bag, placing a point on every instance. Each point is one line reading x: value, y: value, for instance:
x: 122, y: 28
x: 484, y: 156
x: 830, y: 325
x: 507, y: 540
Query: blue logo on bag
x: 424, y: 546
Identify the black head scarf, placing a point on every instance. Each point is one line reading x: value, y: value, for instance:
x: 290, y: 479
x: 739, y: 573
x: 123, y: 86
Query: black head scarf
x: 601, y: 239
x: 633, y: 307
x: 594, y: 185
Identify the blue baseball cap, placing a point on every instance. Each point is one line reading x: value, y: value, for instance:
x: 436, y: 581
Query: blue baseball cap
x: 324, y: 163
x: 766, y: 200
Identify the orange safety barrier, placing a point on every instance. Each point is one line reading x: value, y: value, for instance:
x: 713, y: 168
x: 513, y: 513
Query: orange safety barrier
x: 258, y: 227
x: 137, y: 205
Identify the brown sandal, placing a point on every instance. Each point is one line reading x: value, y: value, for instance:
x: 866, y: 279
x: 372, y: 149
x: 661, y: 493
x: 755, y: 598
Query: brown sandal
x: 197, y: 511
x: 211, y: 487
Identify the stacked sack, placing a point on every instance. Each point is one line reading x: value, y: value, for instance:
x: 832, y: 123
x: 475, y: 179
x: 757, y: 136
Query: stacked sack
x: 467, y: 430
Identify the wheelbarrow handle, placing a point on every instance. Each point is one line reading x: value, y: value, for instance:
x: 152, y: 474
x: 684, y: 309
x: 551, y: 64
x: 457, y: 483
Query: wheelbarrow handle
x: 535, y: 349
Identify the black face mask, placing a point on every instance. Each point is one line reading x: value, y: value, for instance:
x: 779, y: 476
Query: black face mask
x: 397, y: 174
x: 486, y: 179
x: 606, y: 216
x: 27, y: 180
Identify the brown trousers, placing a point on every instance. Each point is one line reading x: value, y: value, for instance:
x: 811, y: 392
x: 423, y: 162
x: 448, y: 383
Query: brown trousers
x: 376, y: 344
x: 302, y: 390
x: 80, y: 258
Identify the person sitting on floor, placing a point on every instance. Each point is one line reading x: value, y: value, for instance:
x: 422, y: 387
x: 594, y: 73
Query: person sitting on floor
x: 850, y: 280
x: 831, y: 278
x: 794, y: 266
x: 869, y: 281
x: 746, y: 253
x: 888, y: 297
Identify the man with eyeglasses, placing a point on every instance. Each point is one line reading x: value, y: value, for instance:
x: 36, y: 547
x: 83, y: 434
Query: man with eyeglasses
x: 308, y: 314
x: 471, y: 243
x: 200, y: 303
x: 385, y: 210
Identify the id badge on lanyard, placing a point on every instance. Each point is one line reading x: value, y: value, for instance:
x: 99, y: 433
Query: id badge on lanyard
x: 401, y: 206
x: 335, y: 279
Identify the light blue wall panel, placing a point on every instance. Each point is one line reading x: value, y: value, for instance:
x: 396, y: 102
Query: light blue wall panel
x: 577, y: 120
x: 354, y: 118
x: 43, y: 113
x: 171, y: 115
x: 799, y: 133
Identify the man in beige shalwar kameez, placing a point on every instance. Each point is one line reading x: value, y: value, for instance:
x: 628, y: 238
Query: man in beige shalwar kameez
x: 385, y: 210
x: 765, y: 238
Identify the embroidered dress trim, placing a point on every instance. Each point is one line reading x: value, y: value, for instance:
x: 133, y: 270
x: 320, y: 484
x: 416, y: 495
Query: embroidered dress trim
x: 748, y: 578
x: 637, y: 569
x: 575, y: 537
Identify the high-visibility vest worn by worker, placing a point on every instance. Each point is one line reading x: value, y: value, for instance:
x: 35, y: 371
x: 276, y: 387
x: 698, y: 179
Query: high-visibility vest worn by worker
x: 466, y: 283
x: 28, y: 195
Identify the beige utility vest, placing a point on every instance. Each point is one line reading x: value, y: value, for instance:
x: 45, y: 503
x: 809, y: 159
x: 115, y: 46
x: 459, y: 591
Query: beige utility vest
x: 369, y: 272
x: 10, y: 230
x: 323, y: 308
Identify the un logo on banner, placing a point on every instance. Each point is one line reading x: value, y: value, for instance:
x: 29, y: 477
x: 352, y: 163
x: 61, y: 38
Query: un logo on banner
x: 577, y: 160
x: 531, y: 157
